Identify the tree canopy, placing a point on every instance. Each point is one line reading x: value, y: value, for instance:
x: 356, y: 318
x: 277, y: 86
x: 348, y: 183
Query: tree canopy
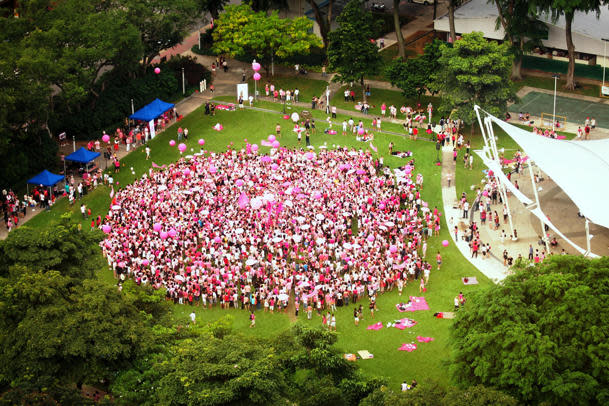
x: 240, y: 31
x: 474, y: 72
x: 541, y: 335
x: 352, y: 52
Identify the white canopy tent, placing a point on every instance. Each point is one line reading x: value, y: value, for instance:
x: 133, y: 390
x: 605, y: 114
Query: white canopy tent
x: 579, y: 168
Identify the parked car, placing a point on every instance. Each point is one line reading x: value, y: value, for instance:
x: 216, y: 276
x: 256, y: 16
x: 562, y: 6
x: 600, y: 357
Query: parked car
x: 426, y: 2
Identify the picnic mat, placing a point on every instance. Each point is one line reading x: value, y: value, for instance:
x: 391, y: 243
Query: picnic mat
x: 471, y: 280
x: 424, y: 339
x: 416, y: 303
x: 408, y: 347
x: 365, y: 354
x: 445, y: 315
x: 350, y: 357
x: 226, y: 107
x: 403, y: 323
x: 376, y: 326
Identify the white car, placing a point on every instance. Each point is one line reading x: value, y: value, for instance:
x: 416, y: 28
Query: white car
x: 426, y: 2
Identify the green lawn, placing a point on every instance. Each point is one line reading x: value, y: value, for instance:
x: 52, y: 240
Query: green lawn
x: 380, y: 96
x: 307, y: 87
x: 429, y: 361
x: 585, y: 89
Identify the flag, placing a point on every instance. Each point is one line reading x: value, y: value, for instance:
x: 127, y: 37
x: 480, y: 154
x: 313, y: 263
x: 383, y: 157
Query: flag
x: 375, y: 149
x: 112, y: 192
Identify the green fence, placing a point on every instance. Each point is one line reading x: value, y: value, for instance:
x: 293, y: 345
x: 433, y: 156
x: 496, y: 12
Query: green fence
x: 550, y: 65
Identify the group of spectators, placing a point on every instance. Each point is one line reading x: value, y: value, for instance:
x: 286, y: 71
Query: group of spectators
x: 229, y: 230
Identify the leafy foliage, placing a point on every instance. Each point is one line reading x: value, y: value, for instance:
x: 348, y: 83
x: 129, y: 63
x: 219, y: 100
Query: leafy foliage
x: 474, y: 72
x: 241, y: 31
x: 415, y: 76
x: 352, y: 52
x: 541, y: 335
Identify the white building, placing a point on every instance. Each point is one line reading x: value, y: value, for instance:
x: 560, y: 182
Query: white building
x: 588, y: 31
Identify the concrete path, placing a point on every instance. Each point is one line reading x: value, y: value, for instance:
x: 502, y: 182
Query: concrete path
x: 492, y: 267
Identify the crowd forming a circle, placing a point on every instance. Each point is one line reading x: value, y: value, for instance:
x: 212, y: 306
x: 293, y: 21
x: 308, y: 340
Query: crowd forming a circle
x: 237, y: 228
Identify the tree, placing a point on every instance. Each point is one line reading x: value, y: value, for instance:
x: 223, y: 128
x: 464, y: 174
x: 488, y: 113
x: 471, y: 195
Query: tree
x: 523, y: 31
x: 398, y: 28
x: 59, y: 327
x: 213, y: 7
x: 541, y: 335
x: 324, y: 22
x: 568, y: 9
x: 414, y: 76
x: 352, y: 52
x: 474, y: 72
x: 162, y: 24
x: 241, y: 31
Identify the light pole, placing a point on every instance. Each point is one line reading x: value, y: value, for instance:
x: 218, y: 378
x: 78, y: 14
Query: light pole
x: 605, y: 40
x: 555, y: 76
x: 74, y: 143
x: 132, y: 109
x: 183, y: 82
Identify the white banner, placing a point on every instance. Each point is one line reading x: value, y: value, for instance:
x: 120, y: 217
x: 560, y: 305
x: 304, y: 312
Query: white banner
x: 242, y: 91
x: 152, y: 132
x: 605, y: 90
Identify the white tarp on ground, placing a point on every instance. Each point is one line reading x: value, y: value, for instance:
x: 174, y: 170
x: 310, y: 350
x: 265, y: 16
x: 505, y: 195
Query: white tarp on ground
x: 579, y: 168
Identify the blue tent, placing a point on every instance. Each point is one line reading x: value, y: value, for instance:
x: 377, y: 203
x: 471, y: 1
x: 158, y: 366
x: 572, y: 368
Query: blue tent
x: 152, y: 110
x: 46, y: 178
x: 82, y: 156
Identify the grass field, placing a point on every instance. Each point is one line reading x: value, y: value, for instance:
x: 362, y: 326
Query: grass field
x: 547, y: 83
x: 430, y: 360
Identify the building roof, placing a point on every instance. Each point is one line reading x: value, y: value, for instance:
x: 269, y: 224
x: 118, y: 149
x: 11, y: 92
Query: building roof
x: 585, y: 24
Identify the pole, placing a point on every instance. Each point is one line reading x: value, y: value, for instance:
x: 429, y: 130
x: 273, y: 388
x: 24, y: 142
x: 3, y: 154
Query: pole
x: 605, y: 62
x: 587, y: 237
x: 543, y: 228
x: 74, y: 143
x: 554, y: 111
x: 183, y: 82
x: 132, y: 109
x: 199, y: 39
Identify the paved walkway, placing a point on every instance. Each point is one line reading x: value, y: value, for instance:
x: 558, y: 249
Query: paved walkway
x: 492, y: 267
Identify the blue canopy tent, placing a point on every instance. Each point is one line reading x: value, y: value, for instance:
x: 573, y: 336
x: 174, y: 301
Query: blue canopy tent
x: 44, y: 178
x: 82, y: 156
x: 152, y: 110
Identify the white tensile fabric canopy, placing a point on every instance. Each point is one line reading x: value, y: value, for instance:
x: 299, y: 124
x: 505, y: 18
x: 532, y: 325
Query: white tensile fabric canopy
x: 580, y: 168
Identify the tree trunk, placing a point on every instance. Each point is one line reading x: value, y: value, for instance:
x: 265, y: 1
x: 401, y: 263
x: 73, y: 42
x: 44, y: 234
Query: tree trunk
x: 363, y: 89
x: 272, y: 63
x: 451, y: 19
x: 321, y: 22
x: 570, y: 85
x: 435, y: 9
x: 517, y: 64
x: 398, y: 29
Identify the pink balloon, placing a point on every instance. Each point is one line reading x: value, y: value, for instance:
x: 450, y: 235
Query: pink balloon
x: 360, y: 171
x: 182, y: 147
x: 445, y: 243
x: 310, y: 156
x: 370, y: 238
x: 105, y: 138
x: 157, y: 70
x: 407, y: 169
x: 186, y: 172
x: 271, y: 138
x: 274, y: 167
x: 382, y: 206
x: 172, y: 143
x: 255, y: 67
x: 217, y: 240
x: 360, y: 131
x: 157, y: 227
x: 255, y: 147
x: 265, y: 159
x: 201, y: 141
x: 393, y: 249
x: 212, y: 169
x: 145, y: 262
x: 276, y: 144
x: 485, y: 193
x: 257, y: 76
x: 164, y: 235
x: 317, y: 196
x: 106, y: 228
x: 172, y: 233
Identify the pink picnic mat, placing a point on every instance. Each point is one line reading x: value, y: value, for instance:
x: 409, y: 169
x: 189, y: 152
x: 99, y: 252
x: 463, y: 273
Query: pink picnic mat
x: 376, y: 326
x: 471, y: 280
x: 404, y: 323
x: 416, y: 303
x: 424, y: 339
x: 408, y: 347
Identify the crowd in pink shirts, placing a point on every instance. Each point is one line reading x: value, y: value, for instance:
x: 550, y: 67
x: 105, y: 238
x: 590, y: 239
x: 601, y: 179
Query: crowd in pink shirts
x: 243, y: 230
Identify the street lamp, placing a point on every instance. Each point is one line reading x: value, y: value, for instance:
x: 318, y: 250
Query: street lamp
x: 605, y: 40
x: 555, y: 76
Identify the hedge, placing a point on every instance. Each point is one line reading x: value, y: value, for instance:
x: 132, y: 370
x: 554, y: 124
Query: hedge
x: 553, y: 66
